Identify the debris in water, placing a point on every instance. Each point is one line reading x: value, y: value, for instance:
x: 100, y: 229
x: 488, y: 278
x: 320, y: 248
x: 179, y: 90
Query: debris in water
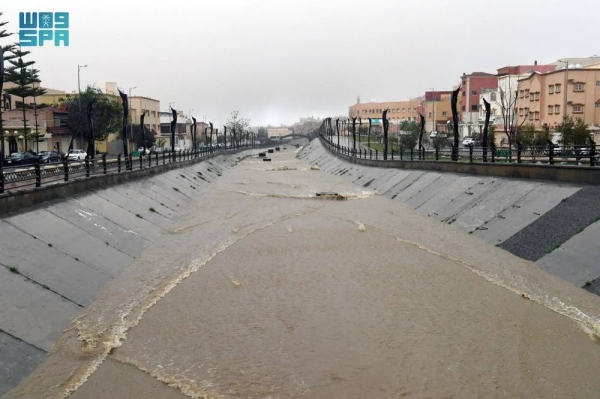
x: 361, y: 228
x: 315, y: 168
x: 289, y: 229
x: 229, y: 215
x: 235, y: 282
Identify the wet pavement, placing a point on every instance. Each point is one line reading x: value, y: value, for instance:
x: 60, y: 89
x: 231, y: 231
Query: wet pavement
x: 266, y: 290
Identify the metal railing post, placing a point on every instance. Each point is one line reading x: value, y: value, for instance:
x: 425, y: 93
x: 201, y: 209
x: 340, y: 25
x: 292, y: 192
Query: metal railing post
x: 412, y: 154
x: 471, y: 153
x: 129, y: 162
x: 119, y: 163
x: 141, y: 161
x: 437, y: 153
x: 87, y: 166
x: 376, y: 154
x: 392, y: 154
x: 156, y: 156
x: 149, y: 160
x: 401, y: 153
x: 38, y: 174
x: 1, y: 173
x: 493, y: 148
x: 592, y: 152
x: 66, y: 168
x: 104, y: 163
x: 163, y: 157
x: 519, y: 150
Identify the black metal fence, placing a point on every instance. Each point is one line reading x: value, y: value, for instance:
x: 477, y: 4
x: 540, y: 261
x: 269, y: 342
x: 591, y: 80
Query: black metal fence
x: 19, y: 177
x: 550, y: 154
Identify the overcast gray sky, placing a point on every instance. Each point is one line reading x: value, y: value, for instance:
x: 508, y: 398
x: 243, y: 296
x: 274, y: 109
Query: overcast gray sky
x: 278, y: 60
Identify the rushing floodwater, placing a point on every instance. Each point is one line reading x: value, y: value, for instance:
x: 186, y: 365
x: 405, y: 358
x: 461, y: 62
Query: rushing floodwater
x: 267, y: 291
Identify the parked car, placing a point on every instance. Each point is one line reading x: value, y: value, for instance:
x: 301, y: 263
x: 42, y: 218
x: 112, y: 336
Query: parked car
x: 467, y: 141
x: 49, y: 157
x: 21, y: 158
x: 76, y: 155
x: 158, y: 150
x: 143, y: 150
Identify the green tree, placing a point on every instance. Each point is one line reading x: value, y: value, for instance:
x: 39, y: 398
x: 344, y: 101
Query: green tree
x: 526, y: 134
x: 262, y: 133
x: 409, y: 140
x: 574, y: 131
x: 107, y: 114
x: 22, y: 76
x: 161, y: 143
x: 135, y: 132
x: 542, y: 137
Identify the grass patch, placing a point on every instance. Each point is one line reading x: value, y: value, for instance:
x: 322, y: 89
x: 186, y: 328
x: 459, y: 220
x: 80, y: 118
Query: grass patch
x: 14, y: 269
x: 152, y: 210
x: 587, y: 284
x: 138, y: 215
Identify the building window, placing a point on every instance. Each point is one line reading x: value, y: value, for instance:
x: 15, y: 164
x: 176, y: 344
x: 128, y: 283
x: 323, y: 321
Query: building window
x: 550, y: 109
x: 598, y: 105
x: 520, y: 111
x: 474, y: 107
x: 578, y: 87
x: 598, y: 83
x: 492, y: 96
x: 557, y: 109
x: 526, y: 93
x: 403, y: 110
x: 557, y: 88
x: 464, y: 108
x: 551, y: 89
x: 430, y: 114
x: 473, y: 92
x: 537, y: 96
x: 530, y: 116
x: 537, y: 115
x: 577, y: 109
x: 521, y: 93
x: 444, y: 113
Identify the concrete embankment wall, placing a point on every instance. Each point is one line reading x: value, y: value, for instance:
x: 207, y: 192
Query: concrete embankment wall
x: 56, y: 257
x: 556, y: 225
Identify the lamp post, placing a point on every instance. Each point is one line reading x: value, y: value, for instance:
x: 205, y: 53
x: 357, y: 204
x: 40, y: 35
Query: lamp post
x: 565, y: 88
x: 433, y: 109
x: 131, y: 117
x: 79, y: 97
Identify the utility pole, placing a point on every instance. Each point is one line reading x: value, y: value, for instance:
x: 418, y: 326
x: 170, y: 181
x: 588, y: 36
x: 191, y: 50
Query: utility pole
x: 433, y: 108
x: 79, y: 98
x: 565, y: 86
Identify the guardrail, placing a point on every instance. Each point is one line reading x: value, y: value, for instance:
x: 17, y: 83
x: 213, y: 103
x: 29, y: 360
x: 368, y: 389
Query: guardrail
x: 16, y: 178
x: 585, y: 156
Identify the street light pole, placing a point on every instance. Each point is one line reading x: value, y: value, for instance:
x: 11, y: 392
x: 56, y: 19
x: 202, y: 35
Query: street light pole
x: 565, y: 88
x: 433, y: 108
x: 79, y: 98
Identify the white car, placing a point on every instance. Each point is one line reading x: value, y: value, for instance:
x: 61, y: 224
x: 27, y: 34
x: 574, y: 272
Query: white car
x: 467, y: 141
x: 146, y: 151
x: 76, y: 155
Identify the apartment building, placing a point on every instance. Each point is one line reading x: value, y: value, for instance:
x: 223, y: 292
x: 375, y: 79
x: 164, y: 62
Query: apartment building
x: 398, y: 110
x: 437, y: 109
x: 545, y: 98
x: 471, y: 87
